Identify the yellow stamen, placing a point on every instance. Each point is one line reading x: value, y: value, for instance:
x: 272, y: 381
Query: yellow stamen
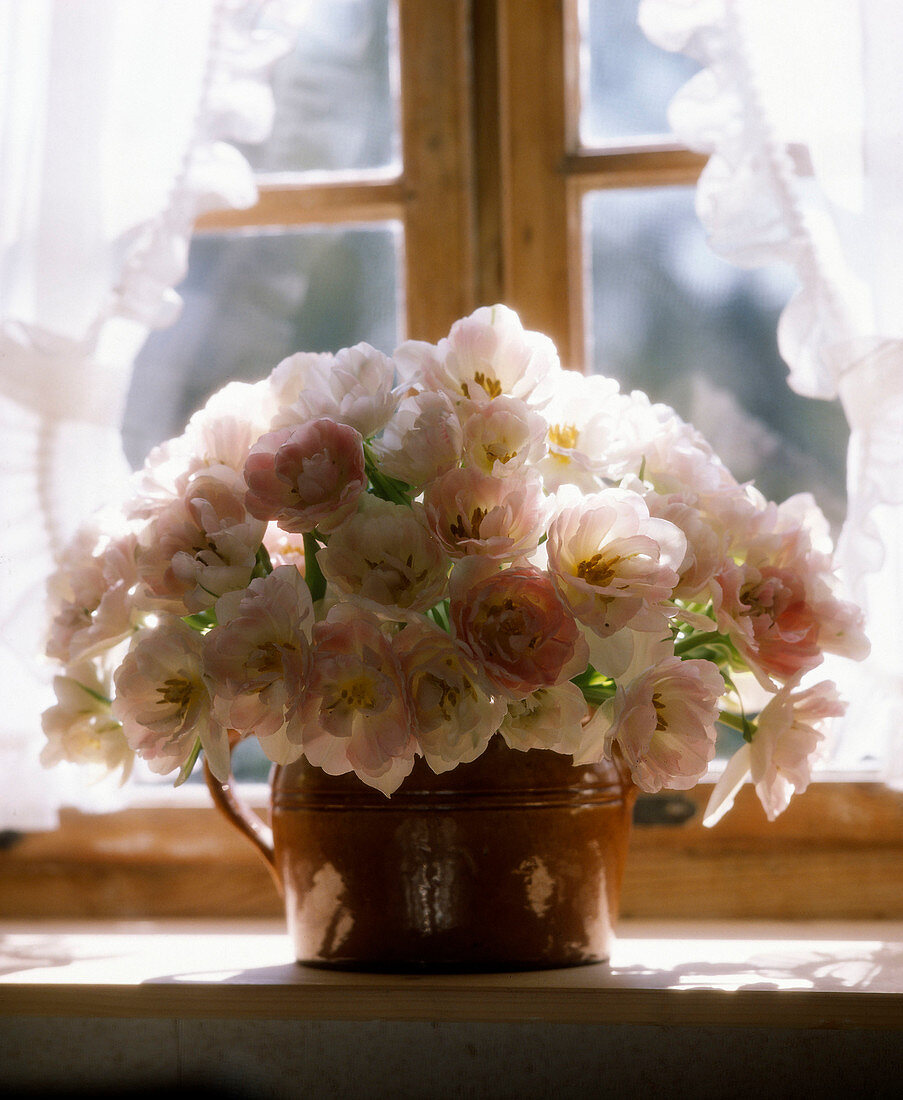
x: 492, y: 386
x: 598, y: 570
x: 563, y: 435
x: 495, y: 454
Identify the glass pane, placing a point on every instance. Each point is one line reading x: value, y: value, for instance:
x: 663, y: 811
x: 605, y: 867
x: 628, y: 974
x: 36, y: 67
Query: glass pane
x: 627, y: 81
x: 336, y: 93
x: 693, y: 331
x: 249, y: 301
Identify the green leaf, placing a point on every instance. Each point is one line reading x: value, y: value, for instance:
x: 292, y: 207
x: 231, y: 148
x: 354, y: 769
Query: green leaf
x: 201, y: 621
x: 188, y: 767
x: 262, y: 564
x: 439, y: 615
x: 595, y: 686
x: 383, y: 486
x: 98, y: 695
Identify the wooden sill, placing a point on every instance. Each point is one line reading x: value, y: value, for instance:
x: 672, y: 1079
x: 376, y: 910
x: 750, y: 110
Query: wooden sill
x: 740, y: 974
x: 836, y: 854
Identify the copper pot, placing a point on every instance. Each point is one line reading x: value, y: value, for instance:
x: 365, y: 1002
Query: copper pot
x: 513, y: 861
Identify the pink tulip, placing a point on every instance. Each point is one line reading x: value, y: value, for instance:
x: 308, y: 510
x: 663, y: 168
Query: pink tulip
x: 200, y: 546
x: 163, y: 702
x: 788, y: 737
x: 611, y: 560
x: 516, y: 627
x: 257, y: 661
x: 355, y: 714
x: 662, y: 724
x: 497, y: 518
x: 454, y: 715
x: 307, y: 476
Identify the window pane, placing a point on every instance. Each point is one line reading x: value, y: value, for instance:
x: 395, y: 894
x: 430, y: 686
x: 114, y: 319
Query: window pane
x: 627, y: 81
x: 671, y: 318
x: 336, y: 93
x: 249, y: 301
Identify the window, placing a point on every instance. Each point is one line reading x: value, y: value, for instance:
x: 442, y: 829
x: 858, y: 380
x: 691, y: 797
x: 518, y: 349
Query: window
x: 480, y: 179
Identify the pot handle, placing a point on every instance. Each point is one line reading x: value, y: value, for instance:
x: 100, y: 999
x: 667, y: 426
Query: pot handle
x: 241, y: 817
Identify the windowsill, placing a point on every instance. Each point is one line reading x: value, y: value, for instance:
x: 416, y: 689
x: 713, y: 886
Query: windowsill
x: 837, y: 975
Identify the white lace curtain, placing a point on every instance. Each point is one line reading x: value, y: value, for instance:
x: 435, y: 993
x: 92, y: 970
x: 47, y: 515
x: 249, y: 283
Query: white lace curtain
x: 114, y: 122
x: 800, y: 105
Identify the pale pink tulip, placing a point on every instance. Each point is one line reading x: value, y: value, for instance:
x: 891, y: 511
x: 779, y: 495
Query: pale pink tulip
x: 612, y: 561
x: 355, y: 714
x: 352, y: 387
x: 549, y: 718
x: 662, y: 724
x: 91, y: 596
x: 486, y: 355
x: 387, y: 559
x: 258, y: 660
x: 163, y: 702
x: 707, y: 542
x: 422, y: 440
x: 284, y: 547
x: 232, y: 420
x: 502, y: 436
x: 787, y: 738
x: 583, y: 423
x: 220, y: 434
x: 516, y: 627
x: 80, y: 728
x: 672, y: 455
x: 454, y: 716
x: 307, y: 476
x: 496, y: 518
x: 200, y: 546
x: 627, y: 652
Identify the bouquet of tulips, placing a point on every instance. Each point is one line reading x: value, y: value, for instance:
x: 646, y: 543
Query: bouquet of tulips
x: 363, y: 559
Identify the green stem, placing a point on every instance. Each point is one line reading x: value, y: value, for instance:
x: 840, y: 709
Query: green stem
x: 737, y: 722
x: 596, y: 694
x: 595, y: 687
x: 698, y: 641
x: 387, y: 488
x: 313, y: 575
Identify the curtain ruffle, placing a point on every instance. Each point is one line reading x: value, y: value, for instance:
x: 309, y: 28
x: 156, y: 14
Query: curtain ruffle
x: 64, y: 373
x: 236, y: 105
x: 802, y: 136
x: 752, y: 195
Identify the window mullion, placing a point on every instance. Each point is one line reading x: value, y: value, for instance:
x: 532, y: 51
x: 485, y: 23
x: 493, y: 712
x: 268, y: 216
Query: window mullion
x: 324, y: 202
x: 540, y: 226
x: 434, y: 48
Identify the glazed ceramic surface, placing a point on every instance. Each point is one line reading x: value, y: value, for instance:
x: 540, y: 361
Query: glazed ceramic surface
x: 512, y: 861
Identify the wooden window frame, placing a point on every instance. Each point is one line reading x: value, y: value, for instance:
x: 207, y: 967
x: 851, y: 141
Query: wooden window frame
x: 490, y: 198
